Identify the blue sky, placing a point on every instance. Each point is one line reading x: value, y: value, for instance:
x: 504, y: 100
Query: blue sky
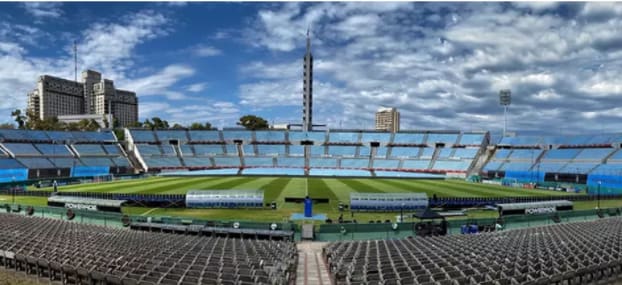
x: 441, y: 64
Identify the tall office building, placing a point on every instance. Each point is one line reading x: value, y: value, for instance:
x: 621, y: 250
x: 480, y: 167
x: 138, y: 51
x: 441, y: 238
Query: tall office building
x: 388, y: 119
x: 307, y: 86
x: 57, y: 97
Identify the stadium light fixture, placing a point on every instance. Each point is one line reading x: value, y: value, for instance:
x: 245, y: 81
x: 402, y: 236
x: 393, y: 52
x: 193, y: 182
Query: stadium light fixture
x: 505, y: 99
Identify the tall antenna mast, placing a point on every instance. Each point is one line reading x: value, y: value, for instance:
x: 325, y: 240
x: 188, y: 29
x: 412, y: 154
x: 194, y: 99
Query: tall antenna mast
x: 75, y: 61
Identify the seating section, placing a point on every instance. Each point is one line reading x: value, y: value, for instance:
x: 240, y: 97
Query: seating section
x: 335, y: 150
x: 89, y: 149
x: 472, y: 139
x: 408, y: 138
x: 205, y: 136
x: 447, y: 139
x: 382, y: 138
x: 354, y: 163
x: 208, y: 149
x: 143, y: 136
x: 66, y: 252
x: 258, y: 161
x: 57, y: 149
x: 416, y: 164
x: 572, y: 253
x: 343, y: 138
x: 328, y: 149
x: 270, y: 149
x: 452, y: 165
x: 227, y: 161
x: 270, y: 136
x: 168, y: 135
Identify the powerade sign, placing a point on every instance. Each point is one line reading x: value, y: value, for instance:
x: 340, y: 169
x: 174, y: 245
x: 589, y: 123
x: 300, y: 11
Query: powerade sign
x: 538, y: 211
x: 81, y: 206
x: 10, y: 175
x: 89, y: 171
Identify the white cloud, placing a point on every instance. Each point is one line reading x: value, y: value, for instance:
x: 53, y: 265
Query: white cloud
x: 43, y: 9
x: 197, y: 87
x: 109, y: 46
x: 206, y: 51
x: 442, y: 72
x: 537, y: 6
x: 159, y: 83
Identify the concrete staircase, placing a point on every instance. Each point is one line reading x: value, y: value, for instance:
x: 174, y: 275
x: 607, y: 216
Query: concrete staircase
x: 312, y: 269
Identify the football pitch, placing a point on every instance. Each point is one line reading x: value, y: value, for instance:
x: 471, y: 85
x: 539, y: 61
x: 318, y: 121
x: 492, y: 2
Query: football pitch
x: 277, y: 188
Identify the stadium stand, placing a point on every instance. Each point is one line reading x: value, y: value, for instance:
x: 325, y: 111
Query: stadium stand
x: 572, y: 253
x: 205, y: 136
x: 416, y: 164
x: 354, y: 163
x: 447, y: 139
x: 319, y: 149
x: 48, y: 154
x: 232, y: 135
x: 67, y: 252
x: 408, y: 139
x: 290, y: 162
x: 270, y: 137
x: 270, y: 149
x: 258, y: 161
x: 343, y: 138
x: 382, y: 138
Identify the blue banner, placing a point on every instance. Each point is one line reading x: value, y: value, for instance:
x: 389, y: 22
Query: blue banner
x: 604, y: 183
x: 90, y: 171
x: 524, y: 176
x: 17, y: 174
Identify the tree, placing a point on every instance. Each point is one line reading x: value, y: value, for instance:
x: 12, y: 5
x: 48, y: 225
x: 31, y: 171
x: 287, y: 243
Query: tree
x: 177, y: 126
x: 20, y: 119
x: 120, y: 133
x: 147, y: 124
x: 252, y: 122
x: 199, y: 126
x: 7, y: 126
x: 159, y: 123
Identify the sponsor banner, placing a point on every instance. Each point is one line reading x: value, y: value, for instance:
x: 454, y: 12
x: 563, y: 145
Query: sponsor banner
x: 90, y: 171
x: 10, y: 175
x: 538, y: 211
x: 81, y: 206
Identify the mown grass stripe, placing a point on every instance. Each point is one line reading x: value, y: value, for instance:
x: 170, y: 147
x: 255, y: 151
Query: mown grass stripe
x: 130, y: 187
x: 440, y: 186
x: 92, y: 187
x: 198, y: 186
x: 274, y: 189
x: 231, y: 183
x: 420, y: 187
x: 319, y: 189
x: 339, y: 189
x: 359, y: 186
x: 177, y: 185
x: 490, y: 192
x: 295, y: 188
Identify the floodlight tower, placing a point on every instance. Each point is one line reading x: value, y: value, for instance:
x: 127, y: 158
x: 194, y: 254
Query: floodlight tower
x: 505, y: 98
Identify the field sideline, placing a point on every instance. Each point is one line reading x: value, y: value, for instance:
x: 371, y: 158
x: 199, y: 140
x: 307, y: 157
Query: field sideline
x: 277, y: 188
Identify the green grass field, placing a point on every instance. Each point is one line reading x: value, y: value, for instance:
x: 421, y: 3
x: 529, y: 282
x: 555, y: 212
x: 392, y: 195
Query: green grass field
x: 277, y: 188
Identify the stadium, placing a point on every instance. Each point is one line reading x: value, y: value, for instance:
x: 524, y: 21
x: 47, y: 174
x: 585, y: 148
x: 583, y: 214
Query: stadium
x: 369, y: 192
x: 309, y: 205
